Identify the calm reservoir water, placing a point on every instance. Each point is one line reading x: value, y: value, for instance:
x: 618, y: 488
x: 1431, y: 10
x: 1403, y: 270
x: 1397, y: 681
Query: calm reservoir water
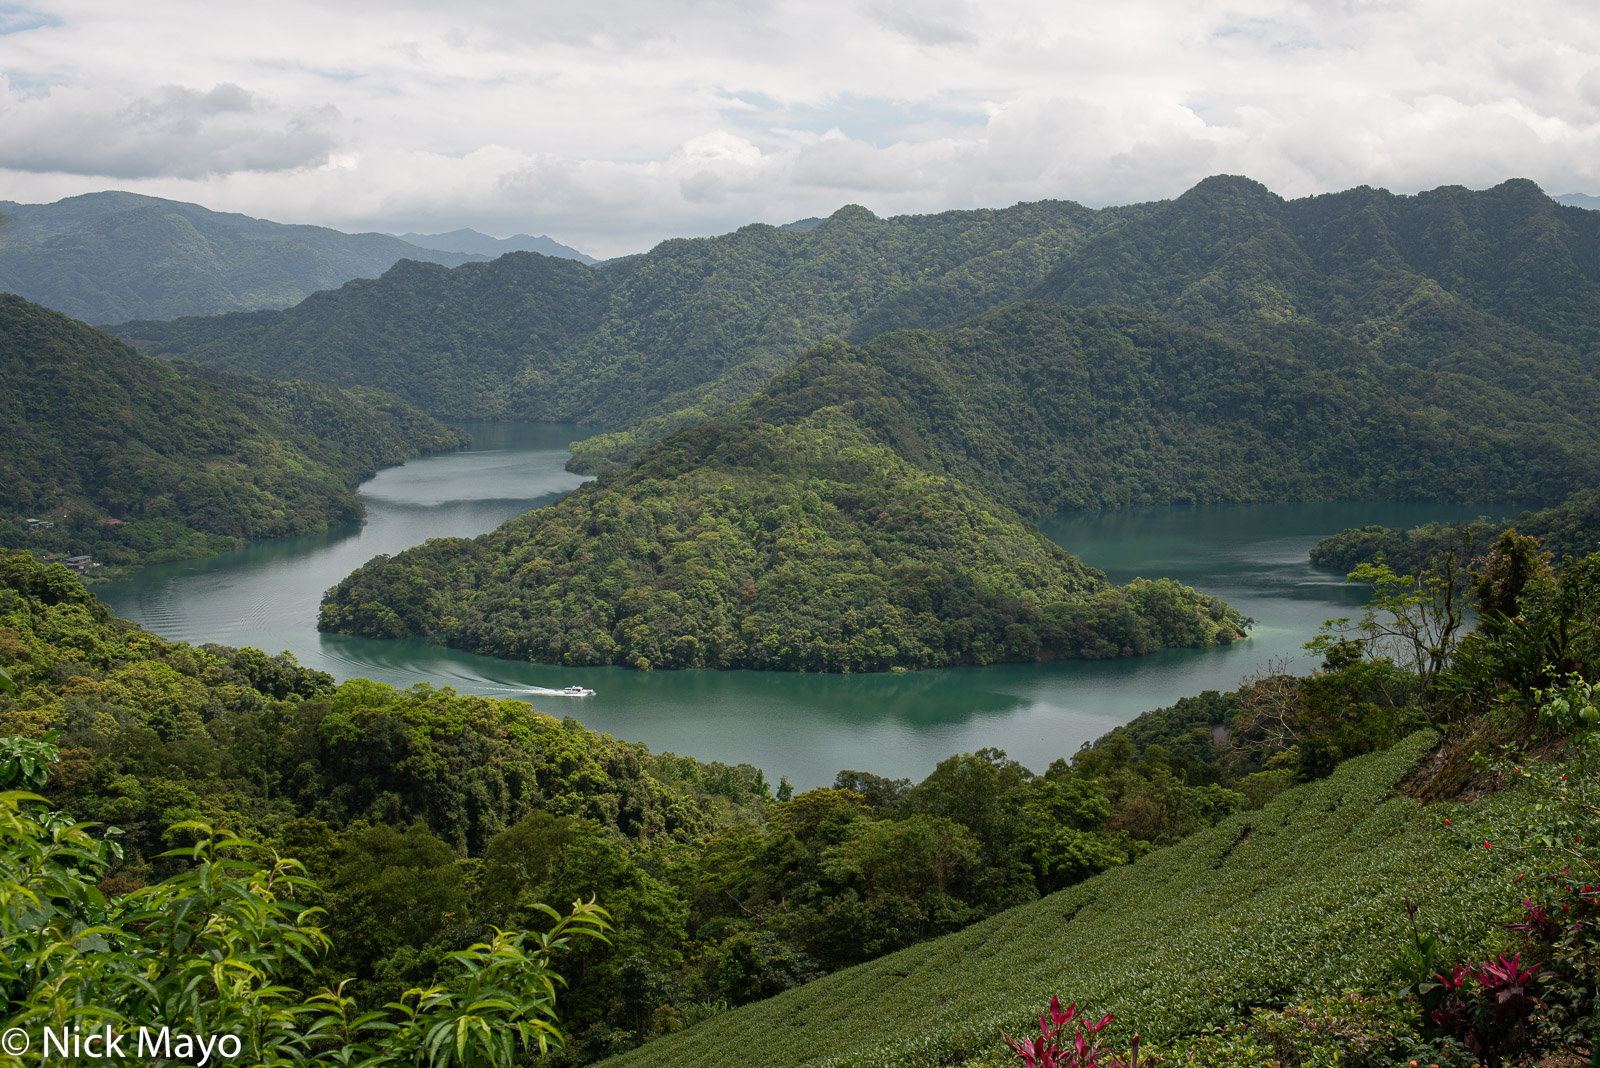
x: 804, y: 726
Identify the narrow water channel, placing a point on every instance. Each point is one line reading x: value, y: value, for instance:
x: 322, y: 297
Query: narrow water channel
x: 807, y: 727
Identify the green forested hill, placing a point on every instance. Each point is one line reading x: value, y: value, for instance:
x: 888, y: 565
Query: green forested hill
x: 835, y: 520
x: 184, y: 462
x: 1571, y: 528
x: 459, y: 341
x: 1451, y: 284
x: 110, y: 257
x: 805, y: 545
x: 665, y: 337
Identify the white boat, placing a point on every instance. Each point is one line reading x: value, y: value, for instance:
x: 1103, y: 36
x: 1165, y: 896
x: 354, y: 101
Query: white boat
x: 577, y: 691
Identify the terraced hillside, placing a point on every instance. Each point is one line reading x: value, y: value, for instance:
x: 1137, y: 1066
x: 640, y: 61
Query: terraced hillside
x: 1303, y: 897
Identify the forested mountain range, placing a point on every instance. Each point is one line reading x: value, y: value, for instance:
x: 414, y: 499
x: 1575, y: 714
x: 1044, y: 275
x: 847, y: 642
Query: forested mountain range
x: 134, y: 460
x: 1451, y: 282
x: 109, y: 257
x: 471, y: 242
x: 666, y: 337
x: 862, y: 478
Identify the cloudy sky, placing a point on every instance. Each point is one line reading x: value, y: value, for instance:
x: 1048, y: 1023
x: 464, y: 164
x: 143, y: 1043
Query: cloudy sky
x: 611, y: 125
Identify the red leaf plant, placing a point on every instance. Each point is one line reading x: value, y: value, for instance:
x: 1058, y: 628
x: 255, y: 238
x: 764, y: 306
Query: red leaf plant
x: 1055, y: 1048
x: 1490, y: 1020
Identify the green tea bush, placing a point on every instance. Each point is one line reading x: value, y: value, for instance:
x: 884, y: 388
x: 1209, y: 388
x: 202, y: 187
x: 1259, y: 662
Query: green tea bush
x: 1299, y: 900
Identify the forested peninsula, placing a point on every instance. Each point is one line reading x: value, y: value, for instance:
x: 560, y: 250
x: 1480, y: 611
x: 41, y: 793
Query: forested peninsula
x: 1571, y: 528
x: 129, y: 460
x: 808, y: 544
x: 833, y: 522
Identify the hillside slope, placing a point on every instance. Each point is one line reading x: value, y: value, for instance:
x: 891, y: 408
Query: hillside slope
x: 110, y: 257
x: 1052, y: 408
x: 1300, y: 898
x: 133, y: 459
x: 1499, y: 282
x: 860, y: 512
x: 671, y: 335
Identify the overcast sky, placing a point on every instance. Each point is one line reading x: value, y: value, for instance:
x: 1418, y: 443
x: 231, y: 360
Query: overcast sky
x: 610, y: 126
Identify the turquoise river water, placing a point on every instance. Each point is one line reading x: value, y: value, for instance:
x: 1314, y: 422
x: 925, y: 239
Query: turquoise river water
x: 807, y: 727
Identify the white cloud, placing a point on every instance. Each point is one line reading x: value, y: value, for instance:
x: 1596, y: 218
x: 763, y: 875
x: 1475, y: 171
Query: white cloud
x: 171, y: 132
x: 612, y: 126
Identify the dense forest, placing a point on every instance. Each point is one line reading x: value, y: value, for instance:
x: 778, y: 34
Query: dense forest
x: 1328, y: 917
x: 110, y: 257
x: 428, y: 816
x: 802, y: 536
x: 1571, y: 528
x: 1443, y: 289
x: 132, y: 460
x: 832, y: 522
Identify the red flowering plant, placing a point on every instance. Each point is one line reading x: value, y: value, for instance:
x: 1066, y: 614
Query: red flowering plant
x: 1081, y: 1047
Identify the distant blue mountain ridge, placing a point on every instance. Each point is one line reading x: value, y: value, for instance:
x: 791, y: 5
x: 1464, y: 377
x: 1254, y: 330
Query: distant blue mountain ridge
x: 1578, y: 200
x: 114, y: 256
x: 475, y: 243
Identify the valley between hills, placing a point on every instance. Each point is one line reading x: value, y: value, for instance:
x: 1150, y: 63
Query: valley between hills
x: 827, y: 450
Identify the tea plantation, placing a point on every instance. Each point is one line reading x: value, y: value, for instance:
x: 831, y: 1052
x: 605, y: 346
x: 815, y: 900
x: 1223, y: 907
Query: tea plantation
x: 1301, y: 898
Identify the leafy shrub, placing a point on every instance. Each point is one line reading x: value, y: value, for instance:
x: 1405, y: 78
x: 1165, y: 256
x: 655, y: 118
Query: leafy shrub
x: 214, y: 951
x: 1267, y: 908
x: 1082, y: 1048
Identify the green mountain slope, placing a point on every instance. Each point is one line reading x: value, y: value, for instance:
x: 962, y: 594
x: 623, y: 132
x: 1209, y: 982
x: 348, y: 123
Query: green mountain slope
x: 1051, y: 408
x: 1301, y: 898
x: 1415, y: 276
x: 664, y: 338
x: 183, y: 463
x: 834, y: 521
x: 110, y: 257
x: 807, y: 545
x: 1494, y: 285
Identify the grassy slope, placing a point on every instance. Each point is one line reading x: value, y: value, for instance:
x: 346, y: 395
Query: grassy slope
x: 1299, y: 898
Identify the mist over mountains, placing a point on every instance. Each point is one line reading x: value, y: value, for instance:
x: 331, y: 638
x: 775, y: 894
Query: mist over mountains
x: 109, y: 257
x: 471, y: 242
